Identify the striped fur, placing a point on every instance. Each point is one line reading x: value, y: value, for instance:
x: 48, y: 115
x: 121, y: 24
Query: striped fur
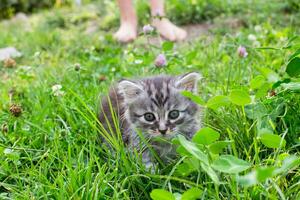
x: 157, y: 95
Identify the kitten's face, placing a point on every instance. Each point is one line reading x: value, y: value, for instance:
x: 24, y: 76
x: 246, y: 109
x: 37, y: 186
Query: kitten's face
x: 157, y: 108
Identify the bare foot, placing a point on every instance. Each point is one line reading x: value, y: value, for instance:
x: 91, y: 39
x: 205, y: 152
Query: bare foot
x: 126, y: 33
x: 168, y: 30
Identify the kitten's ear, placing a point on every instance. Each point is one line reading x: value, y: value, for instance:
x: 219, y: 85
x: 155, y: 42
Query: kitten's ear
x: 129, y: 89
x: 188, y: 81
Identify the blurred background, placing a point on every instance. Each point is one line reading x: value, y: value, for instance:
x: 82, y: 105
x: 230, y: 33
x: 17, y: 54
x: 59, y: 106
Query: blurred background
x: 182, y: 11
x: 57, y: 57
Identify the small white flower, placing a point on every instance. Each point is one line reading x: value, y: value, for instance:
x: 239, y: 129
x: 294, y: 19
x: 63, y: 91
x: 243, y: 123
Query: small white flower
x: 138, y: 62
x: 56, y: 90
x: 257, y: 28
x: 56, y: 87
x: 101, y: 38
x: 36, y: 54
x: 252, y: 37
x: 59, y: 93
x: 7, y: 151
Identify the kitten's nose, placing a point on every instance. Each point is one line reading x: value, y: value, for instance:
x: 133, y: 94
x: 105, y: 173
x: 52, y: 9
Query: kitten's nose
x: 163, y: 132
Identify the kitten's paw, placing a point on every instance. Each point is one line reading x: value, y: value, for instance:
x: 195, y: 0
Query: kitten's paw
x: 150, y: 166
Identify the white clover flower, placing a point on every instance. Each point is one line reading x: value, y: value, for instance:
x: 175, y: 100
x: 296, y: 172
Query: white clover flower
x: 56, y: 87
x: 7, y: 151
x: 37, y: 54
x: 138, y: 61
x: 252, y: 37
x: 56, y: 90
x: 257, y: 28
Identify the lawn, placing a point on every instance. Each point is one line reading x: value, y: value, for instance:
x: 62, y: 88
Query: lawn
x: 248, y: 147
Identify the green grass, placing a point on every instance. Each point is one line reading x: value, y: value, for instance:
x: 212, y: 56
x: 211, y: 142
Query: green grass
x: 52, y: 150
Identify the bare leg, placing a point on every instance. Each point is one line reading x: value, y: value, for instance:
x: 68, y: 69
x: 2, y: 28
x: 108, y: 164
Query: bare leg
x: 167, y: 29
x: 128, y: 28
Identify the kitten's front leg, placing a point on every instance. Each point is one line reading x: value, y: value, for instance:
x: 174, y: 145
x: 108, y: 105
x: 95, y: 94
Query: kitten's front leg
x: 146, y: 158
x: 146, y: 154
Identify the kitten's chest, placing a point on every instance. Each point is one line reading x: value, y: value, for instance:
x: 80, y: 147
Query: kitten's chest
x: 166, y: 151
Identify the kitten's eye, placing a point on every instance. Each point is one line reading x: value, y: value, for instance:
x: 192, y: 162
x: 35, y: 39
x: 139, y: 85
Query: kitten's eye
x: 174, y: 114
x: 149, y: 117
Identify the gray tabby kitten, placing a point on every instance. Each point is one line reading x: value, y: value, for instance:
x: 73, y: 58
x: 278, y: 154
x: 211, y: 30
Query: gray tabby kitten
x: 155, y: 107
